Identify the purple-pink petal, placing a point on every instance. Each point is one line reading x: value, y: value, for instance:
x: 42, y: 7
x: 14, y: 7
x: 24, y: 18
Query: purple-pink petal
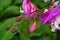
x: 33, y: 14
x: 34, y: 9
x: 44, y: 16
x: 50, y: 15
x: 26, y: 8
x: 53, y: 14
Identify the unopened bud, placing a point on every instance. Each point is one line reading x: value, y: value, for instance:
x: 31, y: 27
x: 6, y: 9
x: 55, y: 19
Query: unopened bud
x: 32, y: 27
x: 14, y: 30
x: 8, y: 27
x: 18, y: 18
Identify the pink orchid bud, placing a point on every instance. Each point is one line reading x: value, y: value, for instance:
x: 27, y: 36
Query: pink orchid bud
x: 8, y: 27
x: 18, y: 18
x: 32, y: 27
x: 14, y: 30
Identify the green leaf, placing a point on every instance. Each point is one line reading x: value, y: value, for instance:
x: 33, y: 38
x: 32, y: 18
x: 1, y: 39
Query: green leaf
x: 11, y: 9
x: 23, y: 37
x: 7, y: 34
x: 4, y: 3
x: 45, y: 38
x: 16, y: 37
x: 18, y: 1
x: 43, y: 5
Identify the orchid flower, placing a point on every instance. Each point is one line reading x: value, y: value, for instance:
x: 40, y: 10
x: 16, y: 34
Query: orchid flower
x: 26, y: 7
x: 29, y: 8
x: 45, y: 14
x: 52, y: 17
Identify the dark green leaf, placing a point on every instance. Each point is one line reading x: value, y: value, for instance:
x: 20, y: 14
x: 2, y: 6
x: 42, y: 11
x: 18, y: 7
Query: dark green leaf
x: 10, y: 10
x: 7, y: 34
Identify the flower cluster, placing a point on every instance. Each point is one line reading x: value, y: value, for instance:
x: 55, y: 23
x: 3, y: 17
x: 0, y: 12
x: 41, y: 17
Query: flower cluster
x: 50, y: 16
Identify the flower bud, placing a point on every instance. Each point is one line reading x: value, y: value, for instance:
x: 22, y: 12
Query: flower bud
x: 14, y: 30
x: 18, y: 18
x: 32, y: 27
x: 8, y: 27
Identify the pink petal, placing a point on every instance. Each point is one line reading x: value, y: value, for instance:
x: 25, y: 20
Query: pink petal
x: 32, y: 27
x: 26, y: 8
x: 53, y: 14
x: 43, y: 16
x: 33, y: 10
x: 33, y: 14
x: 50, y: 15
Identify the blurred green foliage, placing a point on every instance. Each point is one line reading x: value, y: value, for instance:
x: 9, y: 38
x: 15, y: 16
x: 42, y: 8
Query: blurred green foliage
x: 9, y: 10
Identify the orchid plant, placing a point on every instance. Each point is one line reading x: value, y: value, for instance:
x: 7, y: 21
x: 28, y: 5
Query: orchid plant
x: 50, y: 16
x: 28, y: 19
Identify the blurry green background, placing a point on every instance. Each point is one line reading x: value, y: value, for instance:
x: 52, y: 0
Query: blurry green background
x: 10, y: 9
